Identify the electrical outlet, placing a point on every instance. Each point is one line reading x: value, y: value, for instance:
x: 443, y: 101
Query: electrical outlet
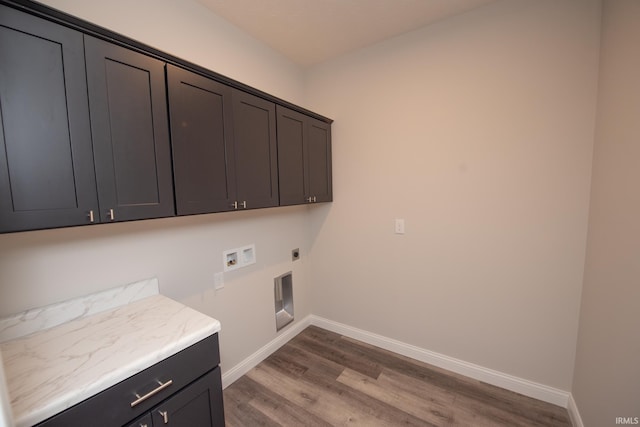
x: 218, y: 281
x: 399, y: 226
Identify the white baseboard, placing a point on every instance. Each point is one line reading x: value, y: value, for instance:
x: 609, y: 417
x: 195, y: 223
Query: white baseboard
x: 247, y: 364
x: 499, y: 379
x: 574, y: 415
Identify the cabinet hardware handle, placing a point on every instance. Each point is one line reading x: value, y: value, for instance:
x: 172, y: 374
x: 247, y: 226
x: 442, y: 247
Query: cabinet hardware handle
x: 234, y: 205
x: 244, y: 204
x: 155, y: 391
x: 165, y: 416
x: 91, y: 216
x: 111, y: 215
x: 309, y: 199
x: 314, y: 199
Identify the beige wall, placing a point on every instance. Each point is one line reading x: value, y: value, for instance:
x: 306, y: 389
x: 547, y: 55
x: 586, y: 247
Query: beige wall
x: 478, y: 131
x: 42, y: 267
x: 607, y: 373
x: 188, y: 30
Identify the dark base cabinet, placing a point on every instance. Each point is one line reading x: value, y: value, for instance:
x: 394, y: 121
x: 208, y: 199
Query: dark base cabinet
x: 195, y: 406
x: 182, y: 390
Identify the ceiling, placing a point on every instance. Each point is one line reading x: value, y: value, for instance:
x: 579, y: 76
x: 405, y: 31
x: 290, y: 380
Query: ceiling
x: 311, y: 31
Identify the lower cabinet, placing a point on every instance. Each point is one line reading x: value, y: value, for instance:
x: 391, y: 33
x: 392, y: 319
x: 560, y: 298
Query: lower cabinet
x: 194, y: 406
x: 182, y: 390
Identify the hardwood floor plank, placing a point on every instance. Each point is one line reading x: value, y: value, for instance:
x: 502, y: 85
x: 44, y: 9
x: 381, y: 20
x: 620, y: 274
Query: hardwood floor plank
x: 275, y: 408
x: 392, y: 379
x: 421, y: 406
x: 512, y: 403
x: 333, y: 351
x: 350, y: 406
x: 320, y: 378
x: 311, y: 360
x: 388, y: 414
x: 237, y: 410
x: 327, y: 406
x: 511, y: 411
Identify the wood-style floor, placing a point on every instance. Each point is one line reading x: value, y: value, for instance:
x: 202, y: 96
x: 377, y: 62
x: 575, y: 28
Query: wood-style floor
x: 320, y: 378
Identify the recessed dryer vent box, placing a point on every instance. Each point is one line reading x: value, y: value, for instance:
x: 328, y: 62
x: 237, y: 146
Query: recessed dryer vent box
x: 233, y: 259
x: 283, y: 295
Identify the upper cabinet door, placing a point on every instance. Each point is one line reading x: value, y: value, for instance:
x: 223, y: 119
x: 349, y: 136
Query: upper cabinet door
x: 202, y: 143
x: 128, y: 104
x: 256, y: 162
x: 291, y: 163
x: 304, y: 158
x: 46, y: 165
x: 318, y: 160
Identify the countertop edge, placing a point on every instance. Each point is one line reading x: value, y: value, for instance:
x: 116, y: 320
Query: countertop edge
x: 45, y: 399
x: 65, y: 402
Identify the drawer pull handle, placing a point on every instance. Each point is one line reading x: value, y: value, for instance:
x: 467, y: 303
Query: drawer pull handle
x: 165, y: 416
x: 153, y: 392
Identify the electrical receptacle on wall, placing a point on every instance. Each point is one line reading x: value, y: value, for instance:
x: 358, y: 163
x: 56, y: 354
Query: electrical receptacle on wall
x: 233, y: 259
x: 218, y: 281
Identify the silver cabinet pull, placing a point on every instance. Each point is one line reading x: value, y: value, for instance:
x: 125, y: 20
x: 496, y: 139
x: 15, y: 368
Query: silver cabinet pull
x: 244, y: 204
x: 111, y: 215
x: 309, y: 199
x: 234, y: 205
x: 153, y: 392
x: 165, y: 416
x: 90, y: 216
x: 314, y: 199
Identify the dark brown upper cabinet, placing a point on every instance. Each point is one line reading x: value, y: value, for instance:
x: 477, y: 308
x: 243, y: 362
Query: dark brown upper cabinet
x: 224, y: 146
x: 202, y: 143
x: 318, y: 161
x: 304, y: 158
x: 85, y: 135
x: 129, y: 124
x: 255, y: 147
x: 46, y: 165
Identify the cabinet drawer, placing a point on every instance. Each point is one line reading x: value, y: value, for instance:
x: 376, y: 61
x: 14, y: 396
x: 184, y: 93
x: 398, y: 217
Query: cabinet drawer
x: 112, y: 407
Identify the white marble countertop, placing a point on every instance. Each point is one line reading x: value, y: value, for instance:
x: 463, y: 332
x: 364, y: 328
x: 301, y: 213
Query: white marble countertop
x: 51, y: 370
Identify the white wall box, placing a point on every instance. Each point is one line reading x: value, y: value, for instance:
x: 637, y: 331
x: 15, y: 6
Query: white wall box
x: 234, y: 259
